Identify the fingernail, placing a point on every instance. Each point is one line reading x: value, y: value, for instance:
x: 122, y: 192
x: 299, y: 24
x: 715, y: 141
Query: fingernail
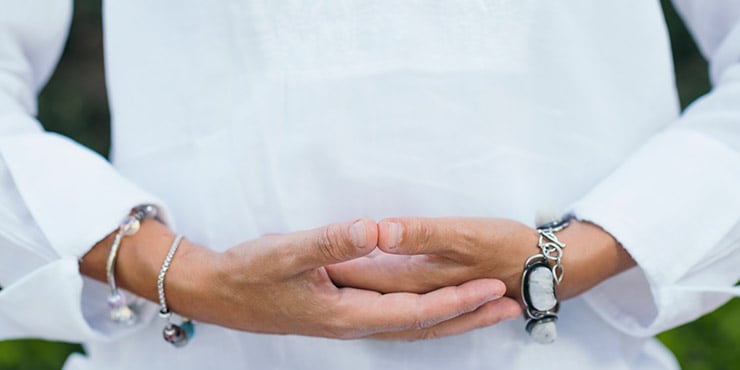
x: 358, y: 234
x: 493, y: 298
x: 394, y: 233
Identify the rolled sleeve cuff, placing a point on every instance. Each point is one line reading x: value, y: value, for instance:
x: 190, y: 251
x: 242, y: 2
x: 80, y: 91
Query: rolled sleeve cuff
x: 75, y: 196
x: 54, y: 302
x: 670, y: 205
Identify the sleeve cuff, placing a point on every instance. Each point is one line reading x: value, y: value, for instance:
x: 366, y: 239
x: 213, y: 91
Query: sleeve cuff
x: 46, y: 304
x: 74, y: 195
x: 696, y: 181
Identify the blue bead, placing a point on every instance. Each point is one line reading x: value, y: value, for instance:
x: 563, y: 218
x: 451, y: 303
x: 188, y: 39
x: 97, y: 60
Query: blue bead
x: 188, y: 327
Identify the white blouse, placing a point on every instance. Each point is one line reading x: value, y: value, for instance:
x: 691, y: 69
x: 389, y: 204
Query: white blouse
x: 247, y: 117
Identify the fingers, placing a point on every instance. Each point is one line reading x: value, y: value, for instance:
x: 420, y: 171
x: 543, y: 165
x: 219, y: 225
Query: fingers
x: 306, y: 250
x: 488, y: 314
x: 439, y: 236
x: 377, y: 313
x: 388, y: 273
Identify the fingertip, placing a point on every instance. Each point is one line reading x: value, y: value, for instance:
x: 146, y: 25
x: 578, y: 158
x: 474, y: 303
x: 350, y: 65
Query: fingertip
x: 508, y: 308
x: 364, y: 234
x: 501, y: 310
x: 512, y: 309
x: 502, y: 290
x: 494, y: 289
x: 390, y: 234
x: 499, y: 287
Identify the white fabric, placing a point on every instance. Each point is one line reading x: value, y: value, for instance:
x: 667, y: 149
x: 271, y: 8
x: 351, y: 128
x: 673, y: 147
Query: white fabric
x: 247, y: 117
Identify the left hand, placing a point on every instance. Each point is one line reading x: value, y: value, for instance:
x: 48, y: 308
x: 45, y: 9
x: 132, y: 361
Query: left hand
x: 423, y: 254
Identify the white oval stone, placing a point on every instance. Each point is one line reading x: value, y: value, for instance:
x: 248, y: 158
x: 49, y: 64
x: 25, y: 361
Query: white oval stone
x: 542, y: 289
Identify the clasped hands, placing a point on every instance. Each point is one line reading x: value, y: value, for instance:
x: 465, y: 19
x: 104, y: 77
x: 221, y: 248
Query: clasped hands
x: 403, y: 278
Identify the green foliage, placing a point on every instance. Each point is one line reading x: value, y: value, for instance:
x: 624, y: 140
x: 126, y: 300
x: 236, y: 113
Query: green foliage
x: 34, y: 354
x: 710, y: 342
x: 692, y: 78
x: 75, y: 104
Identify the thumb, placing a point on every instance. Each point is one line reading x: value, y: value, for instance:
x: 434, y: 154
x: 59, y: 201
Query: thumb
x: 327, y: 245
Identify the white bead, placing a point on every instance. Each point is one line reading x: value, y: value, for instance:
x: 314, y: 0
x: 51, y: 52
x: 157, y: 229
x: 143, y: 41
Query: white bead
x: 544, y: 332
x: 130, y: 226
x: 123, y: 315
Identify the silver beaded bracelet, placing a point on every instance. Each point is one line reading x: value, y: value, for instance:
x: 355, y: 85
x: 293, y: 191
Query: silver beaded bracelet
x: 176, y: 334
x: 122, y: 312
x: 539, y: 280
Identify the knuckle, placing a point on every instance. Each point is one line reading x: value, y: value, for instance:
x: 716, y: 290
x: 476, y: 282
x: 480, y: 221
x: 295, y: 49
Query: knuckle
x: 430, y: 333
x: 418, y: 324
x: 331, y: 242
x: 420, y: 335
x: 336, y: 332
x: 336, y: 321
x: 422, y: 232
x: 467, y: 236
x: 337, y: 327
x: 424, y: 317
x: 422, y: 323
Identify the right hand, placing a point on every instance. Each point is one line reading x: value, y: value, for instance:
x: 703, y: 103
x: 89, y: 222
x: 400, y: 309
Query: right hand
x: 278, y: 284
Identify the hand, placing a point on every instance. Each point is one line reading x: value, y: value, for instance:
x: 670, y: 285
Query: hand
x: 422, y: 254
x: 277, y: 284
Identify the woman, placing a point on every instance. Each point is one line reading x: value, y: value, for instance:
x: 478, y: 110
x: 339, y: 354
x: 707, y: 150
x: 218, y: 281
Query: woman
x: 244, y: 119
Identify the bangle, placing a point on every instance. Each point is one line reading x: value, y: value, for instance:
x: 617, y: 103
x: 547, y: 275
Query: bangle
x: 176, y: 334
x: 539, y: 280
x: 122, y: 312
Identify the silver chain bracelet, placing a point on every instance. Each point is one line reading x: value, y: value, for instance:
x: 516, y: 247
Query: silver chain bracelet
x: 176, y: 334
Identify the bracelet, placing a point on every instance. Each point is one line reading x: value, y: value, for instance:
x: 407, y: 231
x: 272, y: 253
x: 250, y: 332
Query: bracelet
x: 539, y: 280
x: 176, y: 334
x: 122, y: 312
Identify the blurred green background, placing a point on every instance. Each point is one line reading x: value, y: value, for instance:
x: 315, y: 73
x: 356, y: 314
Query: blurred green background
x: 74, y: 103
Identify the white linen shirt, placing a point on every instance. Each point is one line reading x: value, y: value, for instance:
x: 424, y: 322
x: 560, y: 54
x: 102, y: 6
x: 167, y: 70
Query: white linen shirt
x: 248, y: 117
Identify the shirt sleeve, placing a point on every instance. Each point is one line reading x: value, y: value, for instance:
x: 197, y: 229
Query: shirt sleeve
x: 675, y: 204
x: 57, y: 198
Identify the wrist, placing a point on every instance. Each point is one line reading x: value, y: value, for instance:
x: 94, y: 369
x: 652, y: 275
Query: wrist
x: 591, y: 256
x: 140, y: 257
x: 526, y: 247
x: 136, y: 257
x: 588, y: 254
x: 191, y: 280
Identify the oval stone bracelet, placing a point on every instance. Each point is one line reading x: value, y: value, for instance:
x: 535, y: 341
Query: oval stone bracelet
x: 539, y: 280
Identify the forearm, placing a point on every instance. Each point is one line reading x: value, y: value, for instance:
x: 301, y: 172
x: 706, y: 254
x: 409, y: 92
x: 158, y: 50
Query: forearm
x: 140, y: 258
